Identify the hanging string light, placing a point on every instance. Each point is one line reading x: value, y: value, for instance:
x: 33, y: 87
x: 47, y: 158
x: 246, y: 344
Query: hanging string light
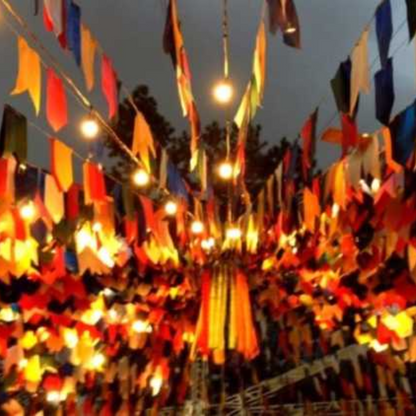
x: 141, y: 178
x: 89, y: 128
x: 225, y: 170
x: 171, y: 208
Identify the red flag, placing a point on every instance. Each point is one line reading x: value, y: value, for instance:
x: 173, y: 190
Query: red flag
x: 56, y: 104
x: 109, y: 85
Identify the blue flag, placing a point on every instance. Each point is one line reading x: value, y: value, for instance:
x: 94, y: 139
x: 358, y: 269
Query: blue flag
x: 384, y: 30
x: 383, y: 80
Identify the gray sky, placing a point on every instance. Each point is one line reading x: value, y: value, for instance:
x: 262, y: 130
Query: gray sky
x: 131, y: 33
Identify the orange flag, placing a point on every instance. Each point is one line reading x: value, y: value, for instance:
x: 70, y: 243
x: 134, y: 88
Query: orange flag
x: 259, y: 65
x: 143, y: 140
x: 88, y: 49
x: 29, y: 77
x: 61, y: 161
x: 56, y: 104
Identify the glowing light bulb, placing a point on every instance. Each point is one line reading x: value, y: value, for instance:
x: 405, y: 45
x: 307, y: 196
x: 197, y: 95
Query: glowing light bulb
x: 71, y: 338
x: 53, y: 396
x: 197, y: 227
x: 225, y: 170
x: 223, y: 92
x: 97, y: 227
x: 97, y: 360
x: 156, y: 384
x: 208, y: 244
x: 89, y: 128
x: 28, y: 211
x: 141, y: 178
x: 335, y: 210
x: 171, y: 208
x: 233, y: 233
x: 375, y: 185
x: 141, y: 327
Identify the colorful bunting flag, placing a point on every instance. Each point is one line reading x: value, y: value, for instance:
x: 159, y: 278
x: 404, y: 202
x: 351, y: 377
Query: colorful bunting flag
x: 411, y: 18
x: 109, y: 85
x: 29, y: 77
x: 384, y: 30
x: 360, y: 73
x: 74, y: 30
x: 143, y: 140
x: 88, y: 50
x: 61, y: 164
x: 383, y: 81
x: 56, y: 104
x: 13, y: 136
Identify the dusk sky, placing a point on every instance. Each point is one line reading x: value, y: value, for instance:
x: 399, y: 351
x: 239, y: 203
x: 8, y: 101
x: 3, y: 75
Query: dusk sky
x: 297, y: 80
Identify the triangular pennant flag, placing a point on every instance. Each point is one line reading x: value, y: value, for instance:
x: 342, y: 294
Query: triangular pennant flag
x: 109, y: 85
x: 143, y: 140
x: 56, y: 104
x: 13, y: 137
x: 360, y: 73
x: 61, y: 164
x: 340, y: 86
x: 384, y: 30
x: 88, y: 49
x: 74, y: 31
x: 383, y: 80
x: 29, y: 77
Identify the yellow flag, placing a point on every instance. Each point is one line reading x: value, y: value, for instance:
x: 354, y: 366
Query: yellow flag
x: 29, y: 77
x: 88, y: 48
x: 61, y: 160
x: 259, y: 66
x: 54, y: 199
x: 143, y: 140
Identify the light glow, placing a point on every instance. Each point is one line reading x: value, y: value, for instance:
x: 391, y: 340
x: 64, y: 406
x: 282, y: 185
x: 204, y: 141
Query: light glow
x: 197, y: 227
x: 141, y: 178
x: 171, y: 208
x: 89, y: 128
x: 225, y: 170
x: 223, y: 92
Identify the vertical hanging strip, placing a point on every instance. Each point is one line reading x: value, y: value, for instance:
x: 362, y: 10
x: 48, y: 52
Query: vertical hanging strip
x: 174, y: 46
x: 61, y: 164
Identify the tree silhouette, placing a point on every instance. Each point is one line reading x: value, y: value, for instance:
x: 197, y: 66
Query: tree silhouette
x: 261, y: 160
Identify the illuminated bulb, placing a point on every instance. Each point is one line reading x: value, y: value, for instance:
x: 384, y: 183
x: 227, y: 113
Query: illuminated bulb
x: 335, y: 210
x: 7, y: 315
x: 108, y: 292
x: 71, y: 338
x: 89, y: 128
x: 140, y: 327
x: 141, y: 177
x: 97, y: 360
x: 197, y: 227
x: 156, y: 384
x: 225, y: 170
x: 53, y: 396
x: 223, y: 92
x: 28, y: 211
x: 171, y: 208
x: 233, y: 233
x: 97, y: 227
x: 375, y: 185
x: 208, y: 244
x: 23, y: 363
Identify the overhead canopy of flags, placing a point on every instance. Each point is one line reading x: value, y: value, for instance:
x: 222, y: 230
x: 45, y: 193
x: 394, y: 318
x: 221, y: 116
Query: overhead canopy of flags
x: 108, y: 301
